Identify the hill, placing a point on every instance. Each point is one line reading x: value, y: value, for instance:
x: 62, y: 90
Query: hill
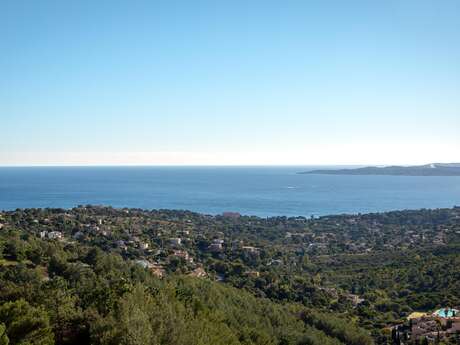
x: 434, y: 169
x: 60, y: 293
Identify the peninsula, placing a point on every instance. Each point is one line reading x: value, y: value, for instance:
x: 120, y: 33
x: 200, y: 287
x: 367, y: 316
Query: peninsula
x: 433, y: 169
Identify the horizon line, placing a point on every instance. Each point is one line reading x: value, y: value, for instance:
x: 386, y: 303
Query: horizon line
x: 171, y: 165
x: 210, y: 165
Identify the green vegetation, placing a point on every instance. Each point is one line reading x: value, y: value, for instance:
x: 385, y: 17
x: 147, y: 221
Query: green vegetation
x: 74, y: 294
x: 98, y: 275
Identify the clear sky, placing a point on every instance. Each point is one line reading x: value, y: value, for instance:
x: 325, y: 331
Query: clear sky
x: 229, y: 82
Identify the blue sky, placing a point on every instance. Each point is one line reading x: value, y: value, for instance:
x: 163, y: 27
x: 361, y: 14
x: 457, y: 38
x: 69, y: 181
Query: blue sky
x: 229, y: 82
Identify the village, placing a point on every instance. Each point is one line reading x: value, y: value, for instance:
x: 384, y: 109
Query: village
x: 162, y: 241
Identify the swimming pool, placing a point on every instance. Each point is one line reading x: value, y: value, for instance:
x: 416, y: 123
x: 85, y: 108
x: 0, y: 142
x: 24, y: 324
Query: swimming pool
x: 447, y: 312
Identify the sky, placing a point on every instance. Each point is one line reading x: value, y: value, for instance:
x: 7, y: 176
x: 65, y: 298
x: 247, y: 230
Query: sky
x: 229, y: 82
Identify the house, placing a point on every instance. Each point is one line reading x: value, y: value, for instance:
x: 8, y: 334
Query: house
x: 253, y: 274
x: 183, y: 254
x: 233, y: 215
x: 156, y: 269
x: 55, y: 235
x: 52, y: 235
x: 423, y: 327
x: 198, y: 273
x: 176, y: 241
x: 144, y: 245
x: 276, y: 262
x: 440, y: 324
x: 250, y: 249
x: 454, y: 328
x: 216, y: 245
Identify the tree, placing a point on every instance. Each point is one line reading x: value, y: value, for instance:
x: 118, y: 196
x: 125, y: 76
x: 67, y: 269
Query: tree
x: 15, y: 249
x: 129, y: 325
x: 3, y: 337
x: 64, y: 314
x: 26, y: 325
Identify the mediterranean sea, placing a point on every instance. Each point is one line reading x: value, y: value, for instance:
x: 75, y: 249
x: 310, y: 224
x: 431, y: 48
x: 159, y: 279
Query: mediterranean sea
x: 261, y: 191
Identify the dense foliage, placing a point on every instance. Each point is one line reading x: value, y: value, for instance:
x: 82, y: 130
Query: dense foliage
x: 56, y: 293
x: 278, y: 280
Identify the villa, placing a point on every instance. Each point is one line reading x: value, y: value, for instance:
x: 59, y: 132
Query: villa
x: 442, y: 323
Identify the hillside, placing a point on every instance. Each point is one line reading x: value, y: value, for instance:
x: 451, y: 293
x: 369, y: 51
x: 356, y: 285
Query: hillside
x: 100, y: 275
x: 55, y: 293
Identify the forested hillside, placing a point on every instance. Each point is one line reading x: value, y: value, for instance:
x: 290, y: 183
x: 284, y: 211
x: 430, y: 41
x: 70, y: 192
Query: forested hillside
x: 58, y: 293
x: 99, y: 275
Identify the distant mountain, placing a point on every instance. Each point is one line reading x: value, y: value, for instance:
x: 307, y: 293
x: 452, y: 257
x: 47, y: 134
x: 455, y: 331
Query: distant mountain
x: 433, y: 169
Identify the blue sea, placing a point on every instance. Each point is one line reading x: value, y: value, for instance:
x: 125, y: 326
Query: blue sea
x: 261, y: 191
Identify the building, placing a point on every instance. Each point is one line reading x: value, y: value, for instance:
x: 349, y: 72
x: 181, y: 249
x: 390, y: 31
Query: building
x: 51, y: 235
x: 176, y: 241
x: 253, y: 274
x: 143, y: 245
x: 275, y: 262
x: 183, y: 254
x: 233, y: 215
x: 156, y: 269
x: 441, y: 324
x: 250, y: 249
x: 198, y: 273
x: 216, y: 245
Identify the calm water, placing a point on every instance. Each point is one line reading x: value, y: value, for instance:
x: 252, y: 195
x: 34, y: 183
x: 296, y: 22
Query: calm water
x: 262, y: 191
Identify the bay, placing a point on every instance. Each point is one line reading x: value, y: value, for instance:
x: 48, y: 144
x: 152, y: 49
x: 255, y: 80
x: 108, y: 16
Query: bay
x: 261, y: 191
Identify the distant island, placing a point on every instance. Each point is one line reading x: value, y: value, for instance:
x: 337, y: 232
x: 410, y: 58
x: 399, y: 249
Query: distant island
x: 433, y: 169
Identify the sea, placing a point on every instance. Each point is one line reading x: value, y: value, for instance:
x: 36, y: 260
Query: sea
x: 259, y: 191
